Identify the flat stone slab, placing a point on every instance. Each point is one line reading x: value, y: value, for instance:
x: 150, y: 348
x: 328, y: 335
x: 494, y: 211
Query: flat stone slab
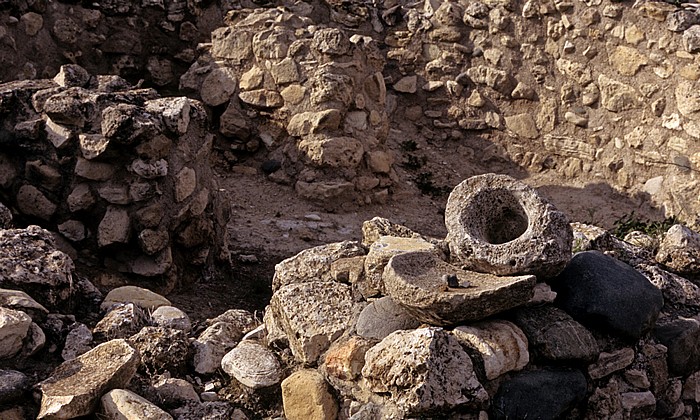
x: 419, y: 282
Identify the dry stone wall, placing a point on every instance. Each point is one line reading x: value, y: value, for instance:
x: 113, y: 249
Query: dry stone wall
x: 120, y: 173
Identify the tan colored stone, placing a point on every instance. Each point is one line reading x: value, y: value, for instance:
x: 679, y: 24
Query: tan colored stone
x: 252, y: 79
x: 120, y: 404
x: 345, y: 358
x: 334, y: 152
x: 14, y: 327
x: 627, y: 61
x: 305, y: 396
x: 523, y: 125
x: 218, y: 86
x: 293, y: 94
x: 314, y: 122
x: 114, y: 227
x: 132, y: 294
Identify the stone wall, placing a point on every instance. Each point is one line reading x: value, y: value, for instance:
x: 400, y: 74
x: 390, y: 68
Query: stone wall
x: 122, y: 174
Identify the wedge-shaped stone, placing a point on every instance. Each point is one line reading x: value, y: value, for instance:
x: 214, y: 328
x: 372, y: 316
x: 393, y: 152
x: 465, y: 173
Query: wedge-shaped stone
x: 424, y: 370
x: 312, y: 315
x: 75, y: 387
x: 419, y: 282
x: 122, y: 404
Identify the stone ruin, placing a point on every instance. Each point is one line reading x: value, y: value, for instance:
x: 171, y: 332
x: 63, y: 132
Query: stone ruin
x: 397, y: 325
x: 120, y: 173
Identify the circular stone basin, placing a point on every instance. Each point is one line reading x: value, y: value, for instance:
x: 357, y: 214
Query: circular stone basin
x: 498, y: 225
x: 417, y: 281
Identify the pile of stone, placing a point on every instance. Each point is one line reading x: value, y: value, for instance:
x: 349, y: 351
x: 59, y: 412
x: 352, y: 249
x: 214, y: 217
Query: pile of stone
x: 498, y: 320
x: 312, y: 93
x: 120, y: 173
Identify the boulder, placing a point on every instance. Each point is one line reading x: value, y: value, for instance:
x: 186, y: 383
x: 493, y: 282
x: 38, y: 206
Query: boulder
x: 681, y: 337
x: 212, y: 344
x: 346, y: 357
x: 139, y: 296
x: 20, y: 301
x: 604, y: 293
x: 498, y: 225
x: 253, y: 365
x: 373, y: 229
x: 119, y: 404
x: 313, y: 264
x: 423, y: 370
x: 297, y: 309
x: 122, y: 321
x: 380, y: 252
x: 556, y: 336
x: 171, y: 317
x: 420, y: 282
x: 74, y: 388
x: 161, y: 349
x: 557, y: 391
x: 680, y: 250
x: 14, y: 329
x: 305, y: 396
x: 497, y: 347
x: 382, y: 317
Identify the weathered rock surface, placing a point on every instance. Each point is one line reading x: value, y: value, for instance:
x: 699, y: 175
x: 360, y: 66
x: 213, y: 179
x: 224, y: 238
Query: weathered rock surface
x: 161, y: 349
x: 605, y: 293
x: 296, y: 309
x: 423, y: 370
x: 253, y: 365
x: 680, y: 336
x: 417, y: 281
x: 212, y: 344
x: 382, y: 317
x: 144, y: 298
x: 74, y: 388
x: 14, y: 328
x: 498, y: 225
x: 171, y: 317
x: 305, y: 396
x: 120, y: 404
x: 680, y: 250
x: 12, y: 385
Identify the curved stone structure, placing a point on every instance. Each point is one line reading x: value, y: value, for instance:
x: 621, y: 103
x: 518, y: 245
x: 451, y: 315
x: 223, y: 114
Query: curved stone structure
x: 499, y: 225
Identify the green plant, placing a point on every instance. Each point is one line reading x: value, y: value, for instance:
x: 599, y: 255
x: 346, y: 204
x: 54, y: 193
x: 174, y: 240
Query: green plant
x: 631, y: 222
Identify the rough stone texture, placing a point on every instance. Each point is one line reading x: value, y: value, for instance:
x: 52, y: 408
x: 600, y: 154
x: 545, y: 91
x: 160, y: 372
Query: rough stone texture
x: 638, y: 404
x: 174, y: 392
x: 78, y: 341
x: 123, y: 320
x: 253, y: 365
x: 682, y: 339
x: 382, y: 317
x: 14, y: 328
x: 12, y: 385
x: 377, y: 227
x: 416, y: 280
x: 209, y: 411
x: 171, y: 317
x: 423, y: 370
x: 313, y: 264
x: 305, y: 396
x: 161, y: 349
x: 20, y: 301
x: 296, y: 309
x: 346, y: 357
x: 30, y: 262
x: 609, y: 363
x: 604, y: 293
x: 144, y: 298
x: 499, y: 346
x: 74, y: 388
x: 120, y: 404
x: 679, y: 250
x: 380, y: 252
x: 498, y: 225
x: 557, y: 391
x: 212, y: 344
x: 554, y: 335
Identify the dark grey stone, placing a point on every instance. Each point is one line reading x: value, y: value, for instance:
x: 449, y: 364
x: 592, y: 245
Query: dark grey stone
x: 554, y: 335
x: 542, y: 395
x: 603, y: 293
x: 12, y: 385
x: 682, y: 339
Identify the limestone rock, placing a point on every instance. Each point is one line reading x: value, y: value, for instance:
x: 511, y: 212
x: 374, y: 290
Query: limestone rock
x: 171, y: 317
x: 680, y: 250
x: 123, y: 320
x: 499, y: 346
x: 305, y: 396
x: 417, y: 281
x: 602, y: 292
x: 20, y: 301
x: 314, y: 122
x: 498, y: 225
x: 627, y: 61
x: 688, y: 99
x: 14, y: 328
x: 313, y: 264
x: 144, y: 298
x: 218, y: 86
x: 616, y: 96
x: 554, y: 335
x: 262, y: 98
x: 373, y: 229
x: 334, y: 152
x: 407, y: 84
x: 5, y: 217
x: 253, y: 365
x: 12, y: 385
x: 296, y: 309
x: 114, y: 227
x: 29, y: 261
x: 691, y: 39
x: 523, y: 125
x: 380, y: 252
x: 557, y: 391
x: 424, y: 370
x: 33, y: 202
x: 161, y: 349
x: 382, y: 317
x: 120, y: 404
x: 74, y: 388
x: 175, y: 391
x: 346, y: 357
x: 211, y: 346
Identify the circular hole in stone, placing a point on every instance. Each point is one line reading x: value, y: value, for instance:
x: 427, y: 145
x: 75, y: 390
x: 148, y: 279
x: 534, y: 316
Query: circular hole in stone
x: 495, y: 216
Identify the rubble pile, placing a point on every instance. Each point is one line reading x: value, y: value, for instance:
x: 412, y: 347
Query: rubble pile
x: 120, y: 173
x: 395, y: 326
